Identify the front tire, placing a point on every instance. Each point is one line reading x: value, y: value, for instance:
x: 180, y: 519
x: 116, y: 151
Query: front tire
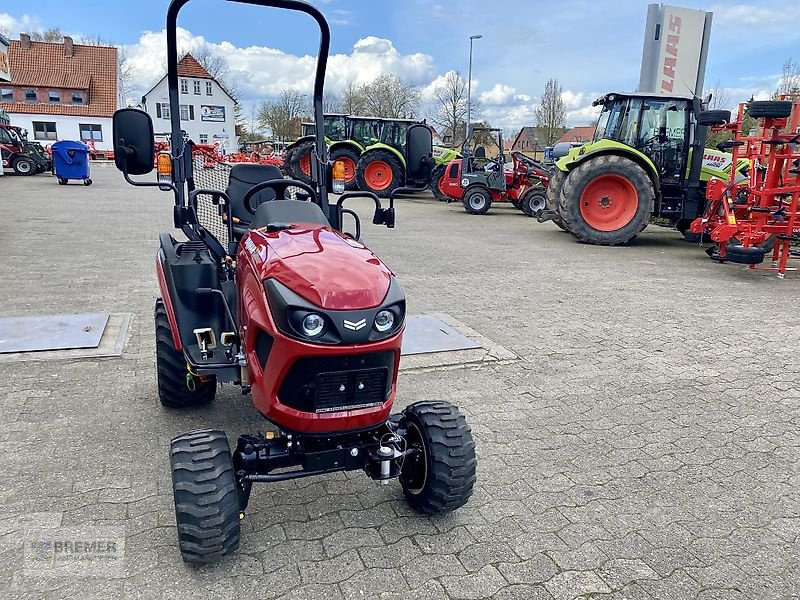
x: 440, y: 476
x: 23, y: 166
x: 437, y: 175
x: 206, y: 496
x: 606, y: 200
x: 298, y: 161
x: 533, y: 202
x: 379, y: 172
x: 477, y: 200
x: 349, y: 156
x: 171, y: 372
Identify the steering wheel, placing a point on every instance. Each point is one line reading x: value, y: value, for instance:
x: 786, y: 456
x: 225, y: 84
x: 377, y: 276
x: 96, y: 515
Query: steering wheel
x: 279, y: 186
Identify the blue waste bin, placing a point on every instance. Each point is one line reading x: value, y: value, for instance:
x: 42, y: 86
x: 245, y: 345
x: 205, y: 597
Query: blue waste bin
x: 71, y: 161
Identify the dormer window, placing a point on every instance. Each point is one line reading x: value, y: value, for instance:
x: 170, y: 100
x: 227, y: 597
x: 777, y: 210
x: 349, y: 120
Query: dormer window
x: 54, y: 97
x: 77, y: 98
x: 30, y: 95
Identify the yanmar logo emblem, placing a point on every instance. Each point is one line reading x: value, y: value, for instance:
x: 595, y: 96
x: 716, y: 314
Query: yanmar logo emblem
x: 355, y: 325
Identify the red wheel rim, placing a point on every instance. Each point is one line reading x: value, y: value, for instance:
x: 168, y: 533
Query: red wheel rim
x: 349, y: 168
x: 305, y: 164
x: 378, y: 175
x: 609, y: 202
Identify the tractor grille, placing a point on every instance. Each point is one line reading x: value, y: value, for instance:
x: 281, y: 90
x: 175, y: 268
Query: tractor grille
x: 331, y: 384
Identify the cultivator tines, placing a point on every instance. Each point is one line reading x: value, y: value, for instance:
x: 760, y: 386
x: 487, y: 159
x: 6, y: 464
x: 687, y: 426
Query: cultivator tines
x: 749, y: 218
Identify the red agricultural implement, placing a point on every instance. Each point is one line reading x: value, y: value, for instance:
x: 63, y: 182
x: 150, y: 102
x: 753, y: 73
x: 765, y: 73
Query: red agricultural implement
x: 750, y: 218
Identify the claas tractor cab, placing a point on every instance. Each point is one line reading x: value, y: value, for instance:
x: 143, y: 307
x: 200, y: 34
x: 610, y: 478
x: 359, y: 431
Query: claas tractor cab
x: 647, y: 160
x: 346, y: 136
x: 382, y: 167
x: 19, y: 154
x: 268, y: 294
x: 479, y: 182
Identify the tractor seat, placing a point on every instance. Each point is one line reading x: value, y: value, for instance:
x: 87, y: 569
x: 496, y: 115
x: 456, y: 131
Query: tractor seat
x: 242, y: 177
x: 288, y: 211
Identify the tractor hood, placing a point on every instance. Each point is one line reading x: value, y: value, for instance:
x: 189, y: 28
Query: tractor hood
x: 321, y: 266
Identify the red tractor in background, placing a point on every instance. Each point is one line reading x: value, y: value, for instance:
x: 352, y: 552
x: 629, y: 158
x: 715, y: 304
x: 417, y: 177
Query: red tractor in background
x: 486, y: 181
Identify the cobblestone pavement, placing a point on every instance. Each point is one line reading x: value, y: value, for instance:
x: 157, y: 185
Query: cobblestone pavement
x: 645, y: 445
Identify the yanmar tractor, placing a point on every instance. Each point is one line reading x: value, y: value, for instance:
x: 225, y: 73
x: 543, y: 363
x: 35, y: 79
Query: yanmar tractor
x: 20, y: 155
x: 647, y: 161
x: 267, y: 293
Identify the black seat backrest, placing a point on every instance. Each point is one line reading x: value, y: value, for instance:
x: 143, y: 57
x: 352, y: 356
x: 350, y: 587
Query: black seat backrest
x: 480, y: 152
x: 288, y: 211
x: 242, y: 178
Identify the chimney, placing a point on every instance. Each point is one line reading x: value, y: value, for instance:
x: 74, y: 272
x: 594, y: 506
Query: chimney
x: 69, y: 49
x: 25, y: 41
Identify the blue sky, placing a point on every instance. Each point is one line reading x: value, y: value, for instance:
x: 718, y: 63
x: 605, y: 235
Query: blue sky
x: 590, y: 46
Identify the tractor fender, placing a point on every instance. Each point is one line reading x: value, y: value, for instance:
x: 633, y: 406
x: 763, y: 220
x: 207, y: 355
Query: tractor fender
x: 381, y: 146
x: 346, y: 143
x: 617, y: 150
x: 300, y: 140
x: 166, y: 250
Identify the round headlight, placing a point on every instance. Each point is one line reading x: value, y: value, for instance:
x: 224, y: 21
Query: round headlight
x: 313, y: 324
x: 384, y: 320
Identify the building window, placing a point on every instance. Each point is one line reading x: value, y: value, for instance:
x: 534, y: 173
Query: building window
x: 184, y: 86
x: 54, y: 97
x: 30, y: 95
x: 203, y: 138
x: 209, y: 90
x: 197, y: 87
x: 162, y: 110
x: 6, y: 95
x: 44, y: 130
x: 90, y: 131
x: 77, y: 97
x: 184, y: 112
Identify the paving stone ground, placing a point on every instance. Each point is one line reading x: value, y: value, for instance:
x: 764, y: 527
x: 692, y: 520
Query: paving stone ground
x: 644, y: 446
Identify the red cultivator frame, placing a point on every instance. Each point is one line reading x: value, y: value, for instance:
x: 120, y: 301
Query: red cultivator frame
x: 749, y: 218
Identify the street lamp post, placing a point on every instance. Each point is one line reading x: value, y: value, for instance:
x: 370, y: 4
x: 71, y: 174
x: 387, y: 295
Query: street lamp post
x: 469, y: 83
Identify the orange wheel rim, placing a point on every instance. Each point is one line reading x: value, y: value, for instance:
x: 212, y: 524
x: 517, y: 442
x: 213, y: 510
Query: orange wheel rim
x: 609, y: 202
x: 305, y: 164
x: 378, y: 175
x: 349, y: 168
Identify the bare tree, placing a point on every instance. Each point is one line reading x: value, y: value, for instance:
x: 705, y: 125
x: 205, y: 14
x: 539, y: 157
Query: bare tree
x: 789, y: 83
x: 53, y: 34
x: 450, y: 107
x: 551, y: 114
x: 354, y: 102
x: 720, y: 98
x: 390, y: 97
x: 283, y: 114
x: 332, y: 103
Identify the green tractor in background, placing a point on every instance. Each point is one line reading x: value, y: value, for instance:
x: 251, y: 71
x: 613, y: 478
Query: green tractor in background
x: 382, y: 166
x: 647, y: 160
x: 346, y: 136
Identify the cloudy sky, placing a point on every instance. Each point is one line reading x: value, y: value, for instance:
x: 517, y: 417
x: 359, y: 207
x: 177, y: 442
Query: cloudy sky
x: 590, y: 46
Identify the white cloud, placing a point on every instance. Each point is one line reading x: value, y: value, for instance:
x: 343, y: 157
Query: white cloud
x: 499, y: 95
x: 14, y: 26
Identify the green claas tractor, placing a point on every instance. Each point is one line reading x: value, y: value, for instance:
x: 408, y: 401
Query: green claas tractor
x: 346, y: 137
x: 647, y: 160
x: 382, y: 166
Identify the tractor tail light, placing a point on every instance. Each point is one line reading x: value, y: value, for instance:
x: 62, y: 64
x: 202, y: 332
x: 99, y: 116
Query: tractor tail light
x: 337, y: 179
x: 164, y: 167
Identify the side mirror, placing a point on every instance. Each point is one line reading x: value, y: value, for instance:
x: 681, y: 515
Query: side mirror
x: 419, y: 152
x: 134, y: 142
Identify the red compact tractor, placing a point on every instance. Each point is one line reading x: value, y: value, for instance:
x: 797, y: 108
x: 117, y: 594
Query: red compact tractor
x: 486, y: 181
x: 750, y: 218
x: 267, y: 293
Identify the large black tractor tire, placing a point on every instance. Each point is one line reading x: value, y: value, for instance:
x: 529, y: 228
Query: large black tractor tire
x: 379, y: 172
x: 607, y: 200
x: 173, y: 384
x: 350, y: 156
x: 477, y: 200
x: 553, y: 191
x: 533, y: 202
x: 709, y: 118
x: 298, y: 161
x: 206, y: 496
x: 23, y: 166
x: 440, y: 476
x: 770, y: 109
x: 437, y: 174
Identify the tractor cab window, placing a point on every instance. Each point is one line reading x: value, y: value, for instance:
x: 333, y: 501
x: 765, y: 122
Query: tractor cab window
x: 306, y: 129
x: 335, y: 128
x: 394, y: 135
x: 5, y: 137
x: 608, y: 124
x: 366, y: 133
x: 662, y: 135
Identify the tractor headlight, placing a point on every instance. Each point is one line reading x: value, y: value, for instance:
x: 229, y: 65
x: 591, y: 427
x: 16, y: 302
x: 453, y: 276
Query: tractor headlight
x: 313, y: 324
x: 384, y: 320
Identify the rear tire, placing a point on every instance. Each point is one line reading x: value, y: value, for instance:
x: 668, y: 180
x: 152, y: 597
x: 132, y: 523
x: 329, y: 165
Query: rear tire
x: 171, y: 371
x: 206, y: 496
x: 380, y: 179
x: 437, y: 175
x: 533, y: 202
x: 477, y: 200
x: 607, y: 200
x: 350, y: 157
x: 770, y: 109
x: 440, y: 477
x: 23, y: 166
x: 553, y: 191
x: 298, y: 161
